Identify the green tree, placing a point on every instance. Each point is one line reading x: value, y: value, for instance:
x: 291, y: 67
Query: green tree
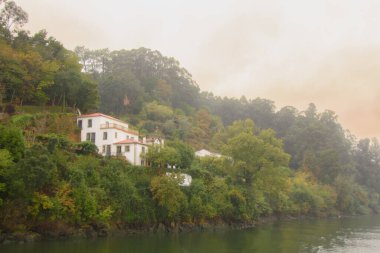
x: 12, y: 140
x: 186, y: 153
x: 5, y: 167
x: 12, y: 16
x: 155, y: 111
x: 161, y: 157
x: 252, y: 154
x: 367, y: 163
x: 120, y: 93
x: 37, y: 170
x: 126, y: 202
x: 166, y: 192
x: 200, y: 206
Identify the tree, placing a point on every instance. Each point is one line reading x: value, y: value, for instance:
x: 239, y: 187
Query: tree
x: 200, y: 205
x: 186, y: 153
x: 12, y: 140
x: 168, y: 195
x: 5, y: 167
x: 157, y: 112
x: 12, y: 16
x: 221, y: 138
x: 38, y: 70
x: 318, y: 142
x: 138, y: 75
x: 84, y: 56
x: 307, y: 196
x: 36, y: 170
x: 161, y: 157
x: 87, y: 148
x: 367, y: 163
x: 12, y: 72
x: 252, y: 154
x: 285, y: 120
x: 120, y: 93
x: 117, y: 183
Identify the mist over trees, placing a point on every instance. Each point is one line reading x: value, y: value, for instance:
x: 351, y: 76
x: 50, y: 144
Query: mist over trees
x: 275, y: 161
x: 318, y: 145
x: 36, y: 69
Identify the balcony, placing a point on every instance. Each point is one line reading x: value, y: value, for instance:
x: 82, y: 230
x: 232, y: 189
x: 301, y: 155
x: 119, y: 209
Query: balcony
x: 117, y: 126
x: 119, y: 154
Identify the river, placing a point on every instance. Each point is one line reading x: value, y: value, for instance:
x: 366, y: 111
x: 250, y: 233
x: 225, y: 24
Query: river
x: 354, y: 234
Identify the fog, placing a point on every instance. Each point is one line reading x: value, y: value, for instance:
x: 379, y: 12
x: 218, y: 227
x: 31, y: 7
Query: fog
x: 292, y: 52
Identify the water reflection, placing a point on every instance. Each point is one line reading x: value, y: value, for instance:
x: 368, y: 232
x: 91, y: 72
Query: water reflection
x: 357, y: 234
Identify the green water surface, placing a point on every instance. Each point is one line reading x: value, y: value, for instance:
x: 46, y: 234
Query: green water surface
x: 355, y: 234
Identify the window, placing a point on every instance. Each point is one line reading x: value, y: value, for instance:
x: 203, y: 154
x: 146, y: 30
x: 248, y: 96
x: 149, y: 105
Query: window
x: 107, y: 124
x: 90, y: 137
x: 89, y: 123
x: 143, y: 150
x: 104, y: 135
x: 80, y: 124
x: 115, y: 134
x: 103, y: 149
x: 142, y: 162
x: 126, y: 148
x: 127, y: 136
x: 118, y: 150
x: 93, y: 137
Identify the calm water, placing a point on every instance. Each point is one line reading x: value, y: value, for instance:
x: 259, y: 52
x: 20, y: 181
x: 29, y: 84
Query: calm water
x: 358, y: 234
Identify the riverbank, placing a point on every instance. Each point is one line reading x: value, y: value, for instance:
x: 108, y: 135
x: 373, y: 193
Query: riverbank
x: 93, y: 231
x: 63, y: 231
x: 346, y: 234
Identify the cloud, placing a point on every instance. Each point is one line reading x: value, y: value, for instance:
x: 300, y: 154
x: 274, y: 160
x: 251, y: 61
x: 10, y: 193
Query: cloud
x: 297, y: 53
x: 291, y: 51
x: 71, y: 24
x: 346, y: 81
x: 231, y: 52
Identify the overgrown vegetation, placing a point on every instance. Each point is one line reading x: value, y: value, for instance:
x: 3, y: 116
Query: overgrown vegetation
x: 284, y: 162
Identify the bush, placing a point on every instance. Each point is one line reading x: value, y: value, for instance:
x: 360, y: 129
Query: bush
x: 53, y: 141
x: 11, y: 139
x: 86, y: 148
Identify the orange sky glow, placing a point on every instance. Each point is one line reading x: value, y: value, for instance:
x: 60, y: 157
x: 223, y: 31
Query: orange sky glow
x: 290, y: 51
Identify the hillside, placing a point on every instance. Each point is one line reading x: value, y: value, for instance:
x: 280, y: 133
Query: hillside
x: 278, y: 162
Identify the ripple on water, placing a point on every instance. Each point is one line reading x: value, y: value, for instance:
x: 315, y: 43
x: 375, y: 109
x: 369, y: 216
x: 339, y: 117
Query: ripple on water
x: 348, y: 235
x: 364, y: 241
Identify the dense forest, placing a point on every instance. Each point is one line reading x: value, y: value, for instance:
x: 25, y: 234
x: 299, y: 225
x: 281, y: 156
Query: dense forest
x: 277, y: 162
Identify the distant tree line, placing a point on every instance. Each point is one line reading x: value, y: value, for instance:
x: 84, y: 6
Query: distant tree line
x: 37, y: 69
x: 275, y: 162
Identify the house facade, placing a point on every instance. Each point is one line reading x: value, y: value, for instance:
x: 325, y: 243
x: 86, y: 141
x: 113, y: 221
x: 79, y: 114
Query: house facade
x: 113, y: 137
x: 206, y: 153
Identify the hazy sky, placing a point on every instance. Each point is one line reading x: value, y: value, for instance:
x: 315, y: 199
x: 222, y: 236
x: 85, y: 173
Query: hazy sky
x: 290, y: 51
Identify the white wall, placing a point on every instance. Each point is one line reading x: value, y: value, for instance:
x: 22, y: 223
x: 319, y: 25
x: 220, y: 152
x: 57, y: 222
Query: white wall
x: 113, y: 135
x: 99, y: 128
x: 135, y: 152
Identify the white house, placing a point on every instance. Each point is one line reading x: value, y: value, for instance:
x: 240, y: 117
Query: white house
x: 156, y: 141
x: 186, y: 178
x: 205, y: 153
x: 112, y: 137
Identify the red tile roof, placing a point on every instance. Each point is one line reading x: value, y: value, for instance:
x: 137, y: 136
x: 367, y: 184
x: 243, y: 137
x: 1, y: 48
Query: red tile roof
x: 97, y: 114
x: 129, y: 141
x: 129, y: 131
